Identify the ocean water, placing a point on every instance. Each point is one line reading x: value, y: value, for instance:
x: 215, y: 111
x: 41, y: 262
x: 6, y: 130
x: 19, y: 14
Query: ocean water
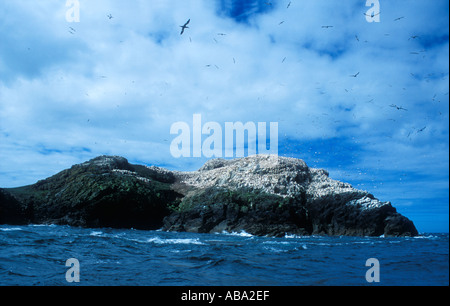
x: 36, y: 255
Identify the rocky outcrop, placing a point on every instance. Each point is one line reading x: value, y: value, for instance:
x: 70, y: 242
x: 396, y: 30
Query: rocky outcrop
x: 271, y: 195
x: 262, y: 195
x: 104, y: 192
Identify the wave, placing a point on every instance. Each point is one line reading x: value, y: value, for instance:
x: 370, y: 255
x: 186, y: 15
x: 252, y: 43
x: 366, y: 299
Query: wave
x: 158, y: 240
x: 10, y: 229
x: 277, y: 242
x: 293, y: 236
x: 237, y: 234
x: 96, y: 234
x: 155, y: 240
x: 430, y: 236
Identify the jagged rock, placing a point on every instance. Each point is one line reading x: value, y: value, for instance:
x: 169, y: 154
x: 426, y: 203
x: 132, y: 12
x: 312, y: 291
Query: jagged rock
x: 261, y: 194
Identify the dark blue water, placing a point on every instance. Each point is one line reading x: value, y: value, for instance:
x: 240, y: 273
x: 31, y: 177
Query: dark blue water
x: 36, y: 255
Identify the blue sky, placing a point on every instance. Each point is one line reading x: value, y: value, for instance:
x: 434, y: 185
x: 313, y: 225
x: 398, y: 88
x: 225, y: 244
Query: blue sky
x: 73, y: 91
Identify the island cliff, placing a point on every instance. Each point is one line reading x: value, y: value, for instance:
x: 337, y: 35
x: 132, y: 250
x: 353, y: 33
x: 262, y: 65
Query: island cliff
x: 261, y: 194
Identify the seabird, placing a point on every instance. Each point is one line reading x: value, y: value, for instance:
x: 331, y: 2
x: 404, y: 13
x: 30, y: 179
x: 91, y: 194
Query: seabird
x: 398, y: 107
x: 372, y: 15
x: 110, y: 16
x: 399, y: 18
x: 354, y: 75
x: 421, y: 130
x: 289, y: 4
x: 326, y: 27
x: 183, y: 27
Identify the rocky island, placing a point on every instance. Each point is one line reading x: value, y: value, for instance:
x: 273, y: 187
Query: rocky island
x: 260, y: 194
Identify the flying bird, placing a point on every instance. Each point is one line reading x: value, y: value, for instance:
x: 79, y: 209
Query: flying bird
x: 354, y: 75
x: 327, y: 26
x: 413, y: 37
x: 421, y: 130
x: 110, y: 16
x: 372, y: 15
x: 398, y: 107
x: 289, y: 4
x: 184, y: 27
x: 396, y: 19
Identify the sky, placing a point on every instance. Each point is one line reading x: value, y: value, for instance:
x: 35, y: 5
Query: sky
x: 367, y: 101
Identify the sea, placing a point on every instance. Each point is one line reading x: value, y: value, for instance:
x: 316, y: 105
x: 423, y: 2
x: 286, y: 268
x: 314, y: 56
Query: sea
x: 51, y: 255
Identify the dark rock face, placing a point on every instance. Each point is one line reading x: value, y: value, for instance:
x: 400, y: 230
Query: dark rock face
x: 104, y: 192
x: 357, y: 221
x: 217, y: 210
x: 262, y: 195
x: 11, y: 210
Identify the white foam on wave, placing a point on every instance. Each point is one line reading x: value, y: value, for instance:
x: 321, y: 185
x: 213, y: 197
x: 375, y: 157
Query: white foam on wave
x: 238, y: 234
x: 10, y: 229
x: 158, y: 240
x: 96, y: 233
x: 294, y: 236
x: 424, y: 237
x: 277, y: 242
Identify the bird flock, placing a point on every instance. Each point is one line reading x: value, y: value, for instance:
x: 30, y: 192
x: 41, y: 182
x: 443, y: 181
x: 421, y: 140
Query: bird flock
x: 412, y: 37
x: 184, y: 27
